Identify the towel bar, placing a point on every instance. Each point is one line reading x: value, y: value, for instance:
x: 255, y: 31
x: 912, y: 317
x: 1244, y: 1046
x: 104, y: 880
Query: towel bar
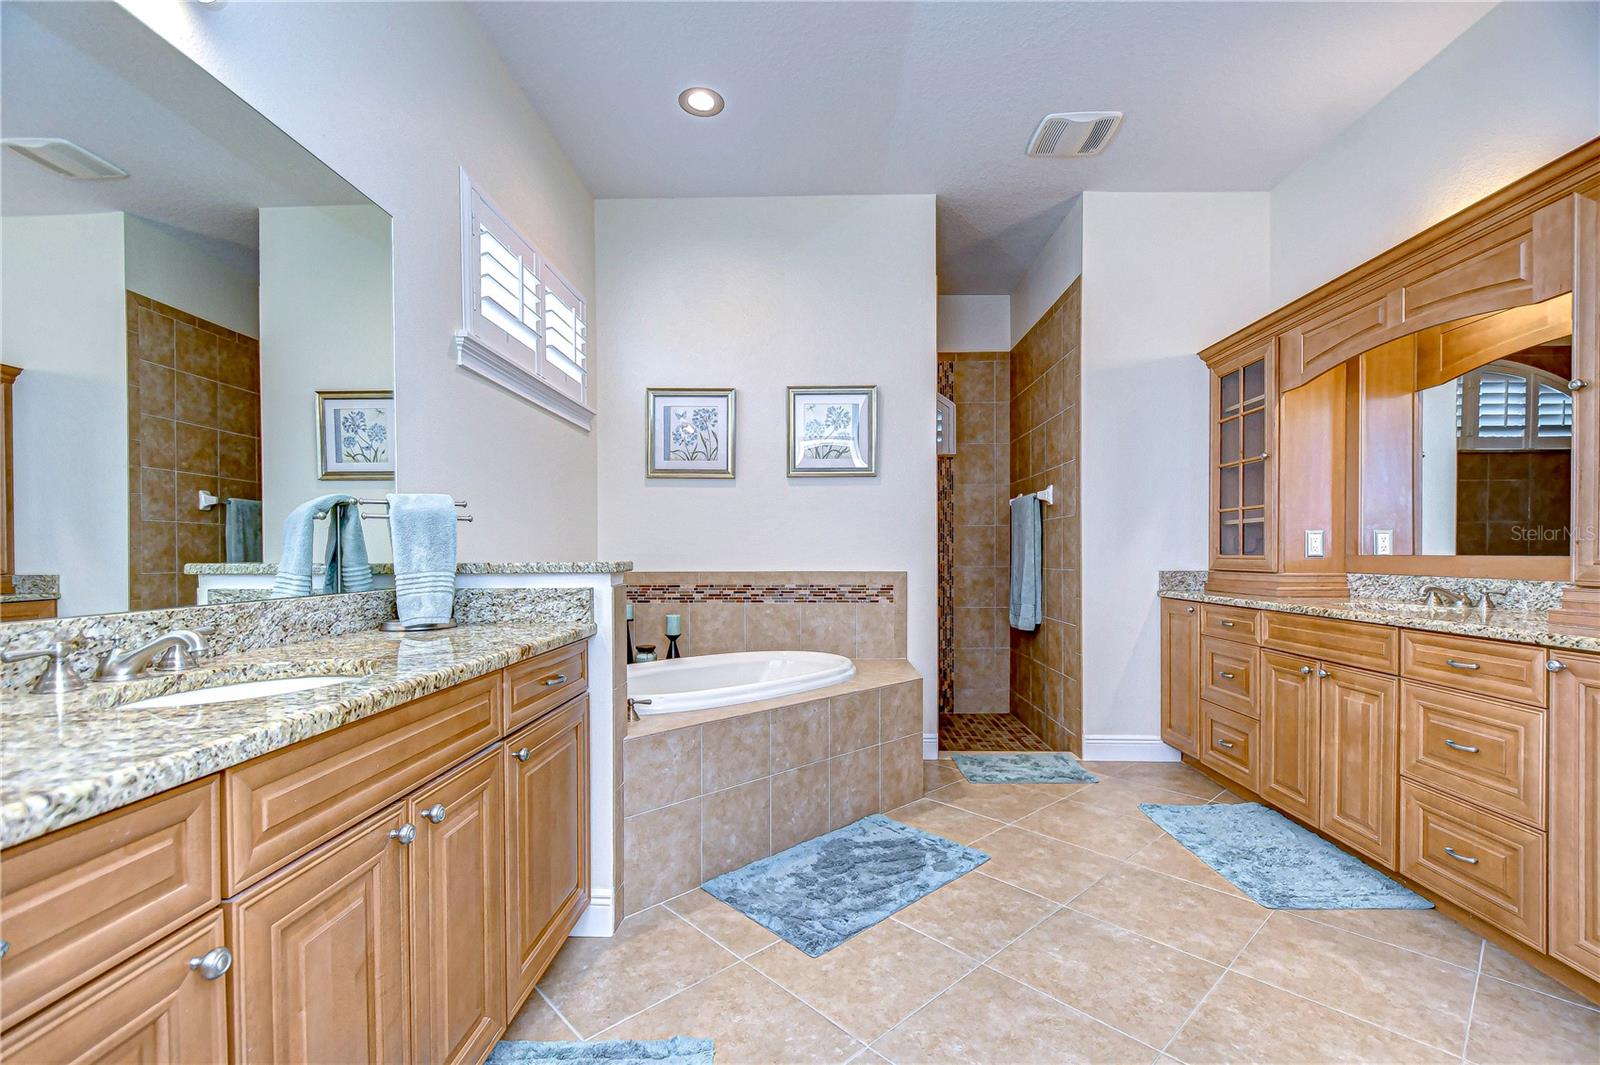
x: 1045, y: 495
x: 385, y: 504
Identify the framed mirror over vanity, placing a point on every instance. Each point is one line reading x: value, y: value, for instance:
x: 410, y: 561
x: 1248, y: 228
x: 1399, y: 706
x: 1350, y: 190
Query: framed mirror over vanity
x: 181, y: 281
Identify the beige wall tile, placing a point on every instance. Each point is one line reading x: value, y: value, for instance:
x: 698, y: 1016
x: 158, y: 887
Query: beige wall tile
x: 738, y: 828
x: 901, y: 771
x: 716, y: 628
x: 853, y: 722
x: 735, y: 750
x: 799, y: 734
x: 879, y: 631
x: 901, y: 713
x: 661, y: 769
x: 799, y: 805
x: 853, y: 790
x: 771, y: 626
x: 829, y: 628
x: 661, y: 853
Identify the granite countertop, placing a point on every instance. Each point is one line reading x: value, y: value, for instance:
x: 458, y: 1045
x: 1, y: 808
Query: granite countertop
x: 27, y: 597
x: 1515, y: 626
x: 33, y: 588
x: 463, y: 569
x: 64, y: 759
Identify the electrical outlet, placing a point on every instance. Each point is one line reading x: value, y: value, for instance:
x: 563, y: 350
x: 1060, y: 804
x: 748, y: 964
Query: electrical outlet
x: 1316, y: 545
x: 1383, y: 541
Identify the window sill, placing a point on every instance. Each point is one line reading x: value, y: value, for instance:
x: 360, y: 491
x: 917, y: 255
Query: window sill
x: 473, y: 354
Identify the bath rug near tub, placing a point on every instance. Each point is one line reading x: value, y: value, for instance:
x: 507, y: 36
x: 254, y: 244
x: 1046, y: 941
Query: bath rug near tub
x: 819, y: 893
x: 1057, y: 767
x: 675, y: 1051
x: 1278, y: 863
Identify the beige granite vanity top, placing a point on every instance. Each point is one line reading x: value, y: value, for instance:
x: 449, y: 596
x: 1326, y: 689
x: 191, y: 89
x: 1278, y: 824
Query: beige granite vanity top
x: 463, y: 569
x: 64, y: 759
x: 1515, y: 626
x: 870, y: 673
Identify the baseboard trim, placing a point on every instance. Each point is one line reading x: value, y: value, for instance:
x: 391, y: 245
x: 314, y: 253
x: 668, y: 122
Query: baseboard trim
x: 930, y: 746
x: 1128, y: 749
x: 599, y: 921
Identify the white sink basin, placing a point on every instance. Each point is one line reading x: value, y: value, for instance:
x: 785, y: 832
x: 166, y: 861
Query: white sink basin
x: 227, y: 693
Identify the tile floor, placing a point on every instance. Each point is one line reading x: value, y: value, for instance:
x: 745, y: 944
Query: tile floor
x: 987, y: 732
x: 1089, y: 936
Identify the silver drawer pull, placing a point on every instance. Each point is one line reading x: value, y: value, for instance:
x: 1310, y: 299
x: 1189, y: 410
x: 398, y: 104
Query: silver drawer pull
x: 435, y: 813
x: 1227, y: 624
x: 1454, y: 746
x: 213, y: 963
x: 406, y: 834
x: 1224, y: 674
x: 1451, y: 851
x: 551, y: 682
x: 1226, y: 745
x: 1454, y: 664
x: 522, y: 755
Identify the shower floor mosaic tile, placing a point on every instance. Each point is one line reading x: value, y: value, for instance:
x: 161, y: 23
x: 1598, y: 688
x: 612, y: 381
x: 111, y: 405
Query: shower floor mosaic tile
x: 1090, y: 936
x: 986, y: 732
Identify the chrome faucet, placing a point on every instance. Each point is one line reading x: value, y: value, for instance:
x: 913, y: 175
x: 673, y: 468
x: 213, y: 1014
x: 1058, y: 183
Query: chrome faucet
x: 58, y: 677
x: 1433, y: 595
x: 172, y: 653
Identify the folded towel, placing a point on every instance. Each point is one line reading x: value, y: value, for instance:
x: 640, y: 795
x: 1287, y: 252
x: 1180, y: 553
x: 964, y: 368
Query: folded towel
x: 1027, y: 563
x: 241, y: 530
x: 422, y: 530
x: 347, y: 568
x: 299, y: 532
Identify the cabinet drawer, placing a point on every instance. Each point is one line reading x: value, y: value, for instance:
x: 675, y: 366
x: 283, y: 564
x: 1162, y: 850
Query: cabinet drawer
x: 282, y: 805
x: 541, y: 684
x: 78, y: 901
x: 1486, y: 752
x: 1227, y: 743
x: 1227, y: 675
x: 1485, y: 864
x: 1350, y: 643
x: 1480, y: 667
x: 1229, y: 622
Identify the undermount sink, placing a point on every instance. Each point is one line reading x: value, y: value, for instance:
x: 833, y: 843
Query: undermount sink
x: 227, y: 693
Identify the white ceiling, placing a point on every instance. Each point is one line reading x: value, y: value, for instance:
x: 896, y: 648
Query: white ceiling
x: 942, y: 97
x: 199, y: 158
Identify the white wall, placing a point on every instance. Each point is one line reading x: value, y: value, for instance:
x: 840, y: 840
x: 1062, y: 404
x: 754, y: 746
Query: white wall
x: 1438, y: 408
x: 759, y: 294
x: 63, y: 320
x: 332, y: 75
x: 1164, y: 275
x: 208, y: 278
x: 1052, y: 273
x: 975, y: 323
x: 327, y: 316
x: 1518, y: 89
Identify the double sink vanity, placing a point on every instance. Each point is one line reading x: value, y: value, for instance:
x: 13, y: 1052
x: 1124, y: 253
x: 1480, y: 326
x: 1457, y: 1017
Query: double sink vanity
x: 366, y: 847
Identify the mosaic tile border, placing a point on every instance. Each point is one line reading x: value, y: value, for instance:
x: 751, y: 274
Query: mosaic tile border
x: 947, y: 554
x: 760, y: 593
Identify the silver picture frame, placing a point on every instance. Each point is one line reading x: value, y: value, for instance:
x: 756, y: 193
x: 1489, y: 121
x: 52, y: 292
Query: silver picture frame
x: 843, y: 441
x: 690, y: 433
x: 330, y: 466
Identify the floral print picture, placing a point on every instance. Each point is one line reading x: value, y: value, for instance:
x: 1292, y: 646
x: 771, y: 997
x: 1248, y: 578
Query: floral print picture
x: 356, y: 436
x: 833, y: 432
x: 691, y: 432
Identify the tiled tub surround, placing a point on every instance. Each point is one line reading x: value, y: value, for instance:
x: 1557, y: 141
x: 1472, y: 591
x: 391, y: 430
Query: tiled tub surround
x: 64, y: 759
x: 707, y: 794
x: 1047, y: 664
x: 855, y: 614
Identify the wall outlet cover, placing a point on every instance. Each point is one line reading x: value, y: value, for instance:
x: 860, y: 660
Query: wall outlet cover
x: 1316, y: 543
x: 1383, y: 541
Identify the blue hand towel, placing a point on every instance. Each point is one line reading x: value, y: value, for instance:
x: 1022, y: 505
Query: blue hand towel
x: 422, y: 529
x: 241, y: 530
x: 1027, y: 563
x: 299, y: 532
x: 346, y: 553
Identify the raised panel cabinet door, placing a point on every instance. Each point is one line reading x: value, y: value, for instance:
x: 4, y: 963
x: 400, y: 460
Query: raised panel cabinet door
x: 547, y: 871
x: 1289, y: 746
x: 458, y: 972
x: 1360, y: 760
x: 320, y: 953
x: 1180, y: 683
x: 1574, y: 815
x: 168, y: 1003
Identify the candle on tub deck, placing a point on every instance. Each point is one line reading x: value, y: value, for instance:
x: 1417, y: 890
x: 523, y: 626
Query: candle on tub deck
x: 630, y: 611
x: 674, y: 625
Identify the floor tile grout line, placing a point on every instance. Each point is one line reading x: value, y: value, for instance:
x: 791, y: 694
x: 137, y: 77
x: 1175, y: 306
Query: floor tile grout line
x: 864, y: 1044
x: 665, y: 998
x: 1226, y: 969
x: 1584, y: 1005
x: 1067, y: 1005
x: 562, y: 1017
x: 1375, y: 939
x: 1472, y: 1003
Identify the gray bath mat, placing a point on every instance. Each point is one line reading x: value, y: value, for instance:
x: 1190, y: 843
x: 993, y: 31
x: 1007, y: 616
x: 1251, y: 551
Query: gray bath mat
x: 674, y: 1051
x: 819, y: 893
x: 1055, y: 768
x: 1278, y: 863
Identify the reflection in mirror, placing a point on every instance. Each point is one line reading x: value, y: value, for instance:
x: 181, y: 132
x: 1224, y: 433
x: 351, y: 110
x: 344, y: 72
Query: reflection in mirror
x: 1466, y: 436
x: 204, y: 337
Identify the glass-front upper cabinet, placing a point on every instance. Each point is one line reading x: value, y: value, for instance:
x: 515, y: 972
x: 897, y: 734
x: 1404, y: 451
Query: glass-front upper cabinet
x: 1242, y: 399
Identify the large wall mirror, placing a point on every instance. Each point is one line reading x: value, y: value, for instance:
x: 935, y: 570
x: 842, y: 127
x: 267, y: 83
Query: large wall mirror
x: 1463, y: 439
x: 201, y: 312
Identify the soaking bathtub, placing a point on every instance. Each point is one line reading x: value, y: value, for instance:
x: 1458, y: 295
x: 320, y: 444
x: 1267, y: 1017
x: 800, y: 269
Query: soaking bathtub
x: 702, y: 682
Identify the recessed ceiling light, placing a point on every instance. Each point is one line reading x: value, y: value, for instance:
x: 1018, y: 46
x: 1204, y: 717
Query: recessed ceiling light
x: 700, y: 102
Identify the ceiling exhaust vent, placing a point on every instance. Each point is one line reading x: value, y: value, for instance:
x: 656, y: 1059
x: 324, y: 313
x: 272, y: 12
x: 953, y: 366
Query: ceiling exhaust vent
x: 1074, y: 135
x: 64, y: 158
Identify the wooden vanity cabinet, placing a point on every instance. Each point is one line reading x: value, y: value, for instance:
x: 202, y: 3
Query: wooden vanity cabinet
x: 1244, y: 402
x: 1574, y: 813
x: 1180, y: 667
x: 1360, y: 760
x: 1290, y: 747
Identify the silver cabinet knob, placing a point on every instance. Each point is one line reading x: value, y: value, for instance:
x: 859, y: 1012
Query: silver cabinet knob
x: 551, y: 682
x: 435, y: 813
x: 213, y: 963
x: 5, y: 947
x: 1554, y: 666
x: 1189, y: 610
x: 522, y: 755
x: 1305, y: 671
x: 1577, y: 384
x: 1323, y: 673
x: 406, y: 834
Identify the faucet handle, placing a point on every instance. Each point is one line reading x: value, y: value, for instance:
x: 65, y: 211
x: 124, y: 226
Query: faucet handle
x: 185, y: 653
x: 58, y: 677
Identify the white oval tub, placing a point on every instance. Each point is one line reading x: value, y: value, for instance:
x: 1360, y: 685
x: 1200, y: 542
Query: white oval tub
x: 705, y: 681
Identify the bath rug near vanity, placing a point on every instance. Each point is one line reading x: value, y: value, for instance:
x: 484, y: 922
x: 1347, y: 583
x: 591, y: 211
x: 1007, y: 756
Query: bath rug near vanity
x: 1278, y: 863
x: 1057, y: 767
x: 819, y: 893
x: 675, y: 1051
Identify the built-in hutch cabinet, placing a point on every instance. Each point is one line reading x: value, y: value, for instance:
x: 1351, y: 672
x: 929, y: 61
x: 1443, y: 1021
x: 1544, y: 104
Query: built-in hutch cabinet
x: 388, y: 891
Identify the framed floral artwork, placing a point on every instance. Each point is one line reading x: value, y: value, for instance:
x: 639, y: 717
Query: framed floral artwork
x: 833, y: 432
x: 355, y: 436
x: 690, y: 432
